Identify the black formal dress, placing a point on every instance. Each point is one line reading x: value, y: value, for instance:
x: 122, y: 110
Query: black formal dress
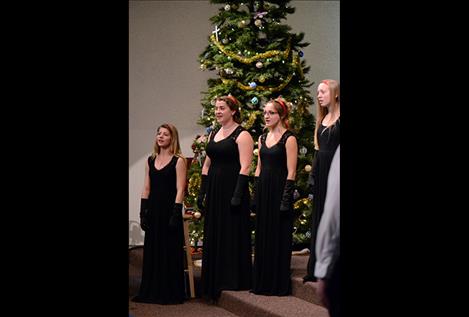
x: 328, y: 139
x: 226, y: 256
x: 163, y: 263
x: 274, y: 228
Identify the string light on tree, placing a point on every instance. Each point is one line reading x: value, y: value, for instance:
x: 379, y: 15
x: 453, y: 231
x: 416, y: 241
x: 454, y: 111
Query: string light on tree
x: 254, y: 70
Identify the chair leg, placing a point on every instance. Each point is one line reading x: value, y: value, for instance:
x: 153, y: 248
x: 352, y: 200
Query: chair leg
x: 187, y: 247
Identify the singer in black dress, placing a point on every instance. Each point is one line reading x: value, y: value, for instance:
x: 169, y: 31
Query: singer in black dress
x: 226, y: 256
x: 162, y: 279
x: 327, y: 138
x: 275, y: 177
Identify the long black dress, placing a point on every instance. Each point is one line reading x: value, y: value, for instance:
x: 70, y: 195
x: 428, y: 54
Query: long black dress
x: 163, y: 263
x: 328, y: 139
x: 226, y: 256
x: 273, y: 247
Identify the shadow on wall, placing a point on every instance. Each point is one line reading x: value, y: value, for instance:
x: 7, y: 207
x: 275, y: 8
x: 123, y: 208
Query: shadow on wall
x: 136, y: 235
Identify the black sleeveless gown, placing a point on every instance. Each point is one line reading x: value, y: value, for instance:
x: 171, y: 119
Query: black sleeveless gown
x: 274, y: 228
x: 163, y: 263
x: 328, y: 139
x: 226, y: 256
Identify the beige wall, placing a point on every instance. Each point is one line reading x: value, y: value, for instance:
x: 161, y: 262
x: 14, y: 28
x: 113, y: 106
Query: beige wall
x: 165, y: 81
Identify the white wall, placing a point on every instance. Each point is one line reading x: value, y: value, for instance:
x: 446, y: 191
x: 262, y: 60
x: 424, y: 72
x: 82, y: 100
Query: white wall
x: 165, y: 80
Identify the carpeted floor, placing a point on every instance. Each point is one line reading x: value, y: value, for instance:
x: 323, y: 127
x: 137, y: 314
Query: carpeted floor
x: 242, y: 303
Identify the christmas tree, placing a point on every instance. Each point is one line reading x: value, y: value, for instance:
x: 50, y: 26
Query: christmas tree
x: 256, y: 57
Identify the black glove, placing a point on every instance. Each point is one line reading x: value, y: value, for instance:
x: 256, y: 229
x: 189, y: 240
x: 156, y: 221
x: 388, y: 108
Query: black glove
x: 144, y: 214
x: 287, y: 197
x: 176, y: 216
x: 202, y: 192
x: 241, y: 186
x: 253, y: 204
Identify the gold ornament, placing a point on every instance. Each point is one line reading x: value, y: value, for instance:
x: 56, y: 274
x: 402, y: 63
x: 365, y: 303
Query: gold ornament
x: 194, y: 184
x: 302, y: 203
x: 308, y: 168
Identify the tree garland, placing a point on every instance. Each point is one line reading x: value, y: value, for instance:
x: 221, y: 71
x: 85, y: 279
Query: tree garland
x: 249, y: 60
x: 296, y: 63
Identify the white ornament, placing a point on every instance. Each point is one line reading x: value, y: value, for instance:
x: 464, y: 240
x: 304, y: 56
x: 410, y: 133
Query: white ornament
x: 259, y: 65
x: 197, y: 215
x: 308, y: 168
x: 216, y: 32
x: 258, y: 23
x: 296, y: 194
x: 227, y: 7
x: 255, y: 152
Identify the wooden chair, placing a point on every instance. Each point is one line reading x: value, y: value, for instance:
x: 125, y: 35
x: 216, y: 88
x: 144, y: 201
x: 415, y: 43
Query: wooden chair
x: 187, y: 247
x: 187, y: 217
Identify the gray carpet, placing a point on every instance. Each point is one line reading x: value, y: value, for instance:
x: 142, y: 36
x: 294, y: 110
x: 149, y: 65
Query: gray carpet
x: 303, y: 301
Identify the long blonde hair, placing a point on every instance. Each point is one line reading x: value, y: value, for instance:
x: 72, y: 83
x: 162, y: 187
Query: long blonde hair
x: 174, y: 146
x: 334, y: 93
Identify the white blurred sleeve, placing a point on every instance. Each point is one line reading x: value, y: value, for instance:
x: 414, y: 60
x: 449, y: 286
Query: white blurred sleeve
x: 328, y: 237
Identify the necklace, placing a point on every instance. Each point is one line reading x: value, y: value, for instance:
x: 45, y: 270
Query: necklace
x: 229, y: 128
x: 160, y: 161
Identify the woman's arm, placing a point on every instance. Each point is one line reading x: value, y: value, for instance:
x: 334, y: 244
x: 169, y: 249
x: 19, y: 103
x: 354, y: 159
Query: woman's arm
x: 292, y: 157
x: 146, y: 182
x: 245, y: 148
x: 181, y: 175
x: 258, y: 167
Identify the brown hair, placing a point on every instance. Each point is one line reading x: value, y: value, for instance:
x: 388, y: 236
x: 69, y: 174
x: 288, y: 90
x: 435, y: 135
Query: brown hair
x: 234, y: 105
x: 282, y: 107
